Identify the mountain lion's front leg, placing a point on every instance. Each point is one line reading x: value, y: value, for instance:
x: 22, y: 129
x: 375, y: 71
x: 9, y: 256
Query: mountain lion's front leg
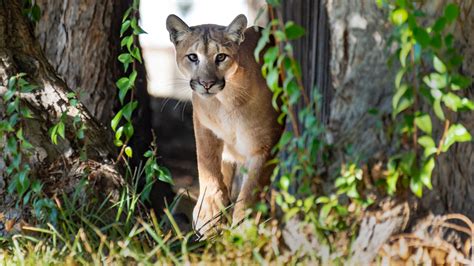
x: 259, y: 174
x: 213, y: 195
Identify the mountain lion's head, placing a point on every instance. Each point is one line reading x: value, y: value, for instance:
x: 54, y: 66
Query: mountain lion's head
x: 207, y: 54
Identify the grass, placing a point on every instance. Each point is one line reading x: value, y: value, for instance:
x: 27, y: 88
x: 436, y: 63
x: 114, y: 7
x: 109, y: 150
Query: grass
x: 95, y: 232
x: 124, y: 232
x: 141, y: 240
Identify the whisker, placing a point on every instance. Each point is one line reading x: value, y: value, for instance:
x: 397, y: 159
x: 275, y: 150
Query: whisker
x: 182, y: 112
x: 163, y: 106
x: 177, y: 104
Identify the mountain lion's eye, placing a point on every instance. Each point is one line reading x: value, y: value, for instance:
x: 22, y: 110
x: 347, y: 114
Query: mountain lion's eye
x: 192, y: 57
x: 220, y: 58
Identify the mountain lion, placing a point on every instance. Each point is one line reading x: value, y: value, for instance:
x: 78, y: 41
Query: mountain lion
x: 235, y: 124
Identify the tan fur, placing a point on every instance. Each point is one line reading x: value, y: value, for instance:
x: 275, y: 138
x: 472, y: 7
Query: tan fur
x: 234, y: 122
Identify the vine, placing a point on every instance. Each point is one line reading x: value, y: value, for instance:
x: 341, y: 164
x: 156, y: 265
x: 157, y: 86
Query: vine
x: 302, y: 145
x: 428, y: 76
x: 126, y: 84
x: 59, y: 129
x: 122, y: 123
x: 17, y: 148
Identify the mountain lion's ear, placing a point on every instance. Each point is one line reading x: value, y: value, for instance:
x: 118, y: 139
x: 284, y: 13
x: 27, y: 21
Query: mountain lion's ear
x: 236, y: 28
x: 176, y: 27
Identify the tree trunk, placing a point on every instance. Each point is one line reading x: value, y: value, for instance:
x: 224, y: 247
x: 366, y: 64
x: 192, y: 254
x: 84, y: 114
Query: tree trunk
x: 81, y: 40
x: 21, y: 53
x: 360, y: 80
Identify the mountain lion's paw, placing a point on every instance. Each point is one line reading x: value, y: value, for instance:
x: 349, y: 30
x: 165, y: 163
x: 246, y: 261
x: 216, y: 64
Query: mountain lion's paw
x: 208, y: 213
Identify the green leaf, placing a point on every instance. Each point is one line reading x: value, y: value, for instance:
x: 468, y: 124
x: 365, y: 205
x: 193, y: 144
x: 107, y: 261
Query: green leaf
x: 449, y: 40
x: 5, y: 127
x: 128, y: 110
x: 28, y: 88
x: 456, y: 133
x: 165, y: 175
x: 118, y: 133
x: 436, y: 80
x: 293, y: 31
x: 285, y: 139
x: 61, y: 129
x: 437, y: 41
x: 125, y: 26
x: 129, y: 151
x: 262, y: 42
x: 416, y: 186
x: 115, y: 121
x: 423, y: 122
x: 452, y: 101
x: 272, y: 79
x: 405, y: 102
x: 422, y: 37
x: 459, y: 82
x: 12, y: 106
x: 73, y: 102
x: 398, y: 95
x: 407, y: 162
x: 428, y: 144
x: 399, y: 16
x: 439, y: 24
x: 8, y: 95
x: 426, y: 172
x: 467, y: 104
x: 125, y: 59
x: 451, y: 12
x: 132, y: 78
x: 128, y: 129
x: 270, y: 55
x: 118, y: 143
x: 136, y: 28
x: 392, y: 180
x: 136, y: 54
x: 26, y: 113
x: 456, y: 60
x: 35, y: 13
x: 438, y: 109
x: 399, y: 78
x: 406, y: 49
x: 53, y: 134
x: 439, y: 65
x: 123, y: 83
x: 126, y: 14
x: 148, y: 154
x: 285, y: 182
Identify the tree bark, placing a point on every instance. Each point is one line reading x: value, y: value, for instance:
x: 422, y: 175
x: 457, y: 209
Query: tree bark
x: 21, y: 53
x: 362, y: 80
x: 81, y: 40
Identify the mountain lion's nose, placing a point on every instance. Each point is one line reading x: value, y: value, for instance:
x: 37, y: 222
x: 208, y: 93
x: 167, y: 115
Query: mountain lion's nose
x: 207, y: 84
